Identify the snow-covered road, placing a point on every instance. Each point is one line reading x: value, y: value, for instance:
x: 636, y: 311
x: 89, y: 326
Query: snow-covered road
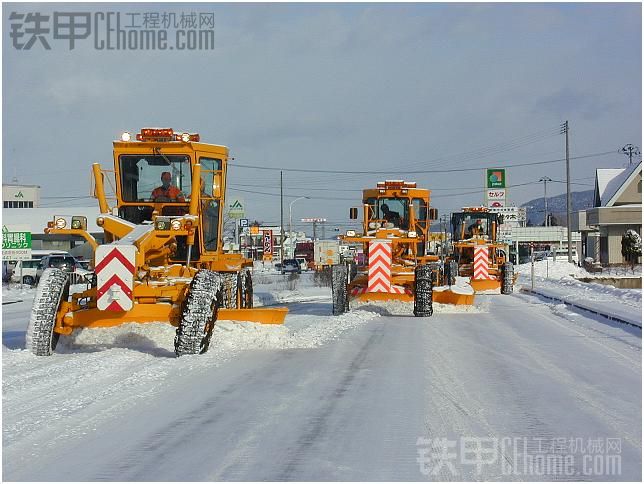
x: 327, y: 398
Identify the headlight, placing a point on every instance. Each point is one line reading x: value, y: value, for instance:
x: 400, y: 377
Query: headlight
x: 162, y: 224
x: 411, y: 234
x: 100, y: 221
x: 61, y: 223
x: 351, y: 233
x: 176, y: 224
x: 126, y: 136
x: 76, y: 224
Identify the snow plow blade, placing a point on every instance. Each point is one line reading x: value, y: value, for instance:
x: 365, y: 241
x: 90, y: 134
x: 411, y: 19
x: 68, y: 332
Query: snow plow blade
x: 480, y: 285
x: 384, y: 296
x: 255, y: 315
x: 451, y: 297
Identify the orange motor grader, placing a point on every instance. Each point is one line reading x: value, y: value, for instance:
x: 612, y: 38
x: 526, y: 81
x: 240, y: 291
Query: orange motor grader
x: 396, y: 242
x: 161, y: 257
x: 478, y: 253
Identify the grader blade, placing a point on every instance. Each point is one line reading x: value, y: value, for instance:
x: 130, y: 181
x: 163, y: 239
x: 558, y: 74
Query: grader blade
x: 451, y: 297
x: 254, y: 315
x: 480, y: 285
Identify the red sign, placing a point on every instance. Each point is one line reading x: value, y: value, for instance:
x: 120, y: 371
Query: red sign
x: 267, y: 237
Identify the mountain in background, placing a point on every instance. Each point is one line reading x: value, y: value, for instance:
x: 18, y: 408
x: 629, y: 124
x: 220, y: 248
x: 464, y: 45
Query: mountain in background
x: 557, y: 207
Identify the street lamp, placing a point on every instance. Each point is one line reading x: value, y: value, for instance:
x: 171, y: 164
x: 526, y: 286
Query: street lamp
x: 290, y: 219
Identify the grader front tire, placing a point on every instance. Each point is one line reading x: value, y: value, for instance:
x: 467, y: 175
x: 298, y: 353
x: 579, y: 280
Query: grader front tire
x: 198, y: 314
x: 245, y: 289
x: 423, y: 291
x: 52, y: 291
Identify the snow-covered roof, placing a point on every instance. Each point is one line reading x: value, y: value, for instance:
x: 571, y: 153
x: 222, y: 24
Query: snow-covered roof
x: 605, y: 177
x: 611, y: 182
x: 37, y: 218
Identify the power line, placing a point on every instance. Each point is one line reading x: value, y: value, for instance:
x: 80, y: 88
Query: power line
x: 450, y: 170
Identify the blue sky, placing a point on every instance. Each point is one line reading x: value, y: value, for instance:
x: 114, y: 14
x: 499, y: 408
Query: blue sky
x: 341, y: 86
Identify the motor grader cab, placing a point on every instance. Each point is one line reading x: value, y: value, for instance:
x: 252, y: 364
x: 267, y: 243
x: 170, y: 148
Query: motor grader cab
x: 395, y: 237
x: 478, y: 253
x: 162, y: 258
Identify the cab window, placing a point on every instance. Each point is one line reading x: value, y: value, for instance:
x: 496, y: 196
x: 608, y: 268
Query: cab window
x: 142, y: 174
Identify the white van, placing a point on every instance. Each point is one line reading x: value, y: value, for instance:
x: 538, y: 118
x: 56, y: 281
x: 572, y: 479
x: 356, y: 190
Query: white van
x: 31, y: 267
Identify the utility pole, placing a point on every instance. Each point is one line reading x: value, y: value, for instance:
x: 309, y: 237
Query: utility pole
x: 630, y: 150
x: 282, y: 221
x: 545, y: 180
x: 564, y: 130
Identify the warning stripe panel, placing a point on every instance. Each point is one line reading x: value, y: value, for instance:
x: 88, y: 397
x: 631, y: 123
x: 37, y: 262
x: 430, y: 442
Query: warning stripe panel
x: 115, y: 267
x: 481, y: 263
x: 379, y: 267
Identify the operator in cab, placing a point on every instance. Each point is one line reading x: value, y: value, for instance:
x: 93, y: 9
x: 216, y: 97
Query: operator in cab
x: 167, y: 192
x: 476, y: 228
x: 389, y: 215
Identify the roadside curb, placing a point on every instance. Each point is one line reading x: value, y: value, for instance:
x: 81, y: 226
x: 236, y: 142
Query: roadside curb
x: 583, y: 308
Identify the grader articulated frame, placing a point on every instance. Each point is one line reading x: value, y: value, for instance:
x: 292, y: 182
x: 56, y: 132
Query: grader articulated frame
x: 162, y: 256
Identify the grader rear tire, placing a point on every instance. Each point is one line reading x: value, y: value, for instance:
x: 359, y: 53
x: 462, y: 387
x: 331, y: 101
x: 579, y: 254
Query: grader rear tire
x: 245, y: 288
x: 339, y: 274
x: 198, y: 314
x: 508, y: 278
x: 52, y: 291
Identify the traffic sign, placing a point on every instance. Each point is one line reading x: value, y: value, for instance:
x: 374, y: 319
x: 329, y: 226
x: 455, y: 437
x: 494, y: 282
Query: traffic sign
x: 243, y: 222
x: 16, y: 242
x: 236, y: 208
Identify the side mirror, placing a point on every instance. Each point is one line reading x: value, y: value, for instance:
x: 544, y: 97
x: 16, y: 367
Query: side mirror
x: 433, y: 214
x: 353, y: 213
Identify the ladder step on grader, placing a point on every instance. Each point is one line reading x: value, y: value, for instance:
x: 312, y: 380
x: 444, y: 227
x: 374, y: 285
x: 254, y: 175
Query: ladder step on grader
x: 161, y: 258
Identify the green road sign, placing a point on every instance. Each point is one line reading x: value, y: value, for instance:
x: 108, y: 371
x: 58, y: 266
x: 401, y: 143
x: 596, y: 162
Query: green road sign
x: 16, y: 242
x: 495, y: 178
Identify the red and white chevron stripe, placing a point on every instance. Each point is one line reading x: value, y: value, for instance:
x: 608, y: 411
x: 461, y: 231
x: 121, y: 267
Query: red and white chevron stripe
x: 379, y: 266
x: 115, y: 266
x: 481, y: 263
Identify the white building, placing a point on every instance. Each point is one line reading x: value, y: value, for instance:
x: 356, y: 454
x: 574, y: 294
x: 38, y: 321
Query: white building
x: 20, y: 196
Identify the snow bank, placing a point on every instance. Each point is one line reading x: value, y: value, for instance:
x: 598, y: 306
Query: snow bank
x: 401, y: 308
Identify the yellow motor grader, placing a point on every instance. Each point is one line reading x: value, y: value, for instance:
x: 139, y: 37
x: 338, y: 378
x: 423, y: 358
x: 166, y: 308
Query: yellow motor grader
x: 398, y: 264
x: 162, y: 256
x: 478, y: 253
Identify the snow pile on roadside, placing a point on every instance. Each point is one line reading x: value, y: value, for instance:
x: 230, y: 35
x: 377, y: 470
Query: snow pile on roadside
x: 319, y: 331
x: 401, y: 308
x: 561, y: 279
x: 227, y: 337
x: 554, y: 270
x: 16, y: 293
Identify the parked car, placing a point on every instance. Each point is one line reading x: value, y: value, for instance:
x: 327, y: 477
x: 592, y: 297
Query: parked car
x: 29, y: 269
x: 291, y: 266
x: 304, y: 266
x: 66, y: 263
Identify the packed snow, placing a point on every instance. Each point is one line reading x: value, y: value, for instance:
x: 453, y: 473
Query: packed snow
x: 333, y: 398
